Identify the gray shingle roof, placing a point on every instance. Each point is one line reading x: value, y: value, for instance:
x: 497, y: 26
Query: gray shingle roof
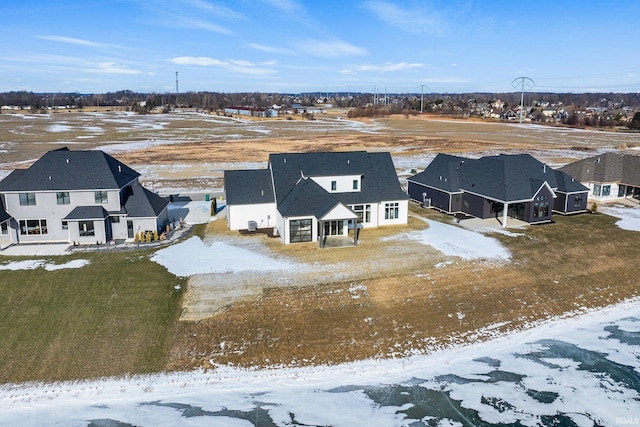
x: 87, y: 213
x: 63, y: 169
x: 606, y: 167
x: 142, y: 203
x: 379, y: 180
x: 442, y: 173
x: 568, y: 184
x: 504, y: 177
x: 307, y: 198
x: 248, y: 187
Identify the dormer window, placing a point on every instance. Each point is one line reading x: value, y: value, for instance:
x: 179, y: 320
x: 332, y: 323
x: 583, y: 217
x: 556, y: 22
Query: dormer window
x: 355, y: 184
x: 334, y: 185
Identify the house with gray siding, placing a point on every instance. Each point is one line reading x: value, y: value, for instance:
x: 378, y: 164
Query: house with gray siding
x: 516, y: 186
x: 609, y: 176
x: 312, y: 197
x: 78, y: 197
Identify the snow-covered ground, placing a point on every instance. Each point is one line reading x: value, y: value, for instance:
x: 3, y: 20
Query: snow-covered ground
x: 581, y: 371
x: 629, y: 217
x: 193, y: 256
x: 456, y: 241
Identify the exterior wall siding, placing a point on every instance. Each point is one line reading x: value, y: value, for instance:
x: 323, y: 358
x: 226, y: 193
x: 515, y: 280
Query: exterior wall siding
x: 439, y: 199
x: 47, y: 208
x: 238, y: 216
x: 344, y: 184
x: 576, y: 202
x: 403, y: 212
x: 476, y: 206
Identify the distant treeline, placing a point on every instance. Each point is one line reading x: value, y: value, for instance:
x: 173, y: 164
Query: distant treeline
x: 218, y: 100
x: 602, y: 109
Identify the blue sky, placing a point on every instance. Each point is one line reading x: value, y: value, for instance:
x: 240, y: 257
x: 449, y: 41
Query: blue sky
x: 298, y: 46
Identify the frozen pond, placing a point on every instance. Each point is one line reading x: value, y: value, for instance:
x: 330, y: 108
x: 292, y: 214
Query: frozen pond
x: 581, y: 371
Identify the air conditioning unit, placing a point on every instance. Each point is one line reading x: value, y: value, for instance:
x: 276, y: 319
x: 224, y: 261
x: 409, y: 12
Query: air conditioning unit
x: 252, y: 226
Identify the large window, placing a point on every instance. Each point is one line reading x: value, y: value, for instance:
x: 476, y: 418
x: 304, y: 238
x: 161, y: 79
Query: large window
x: 4, y: 228
x: 86, y: 228
x: 299, y: 230
x: 541, y: 207
x: 391, y: 210
x: 334, y: 228
x: 606, y: 190
x: 596, y: 189
x: 30, y: 227
x: 65, y: 225
x: 363, y: 212
x: 27, y: 199
x: 63, y: 197
x: 101, y: 197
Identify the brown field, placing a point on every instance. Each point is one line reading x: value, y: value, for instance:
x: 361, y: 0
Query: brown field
x: 380, y: 299
x: 413, y: 306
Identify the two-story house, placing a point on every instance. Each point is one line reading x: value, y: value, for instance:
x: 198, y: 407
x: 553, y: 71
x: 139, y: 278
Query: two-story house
x: 308, y: 197
x: 79, y: 197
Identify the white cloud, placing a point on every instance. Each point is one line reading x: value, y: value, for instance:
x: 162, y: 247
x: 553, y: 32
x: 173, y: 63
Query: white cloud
x: 184, y: 22
x: 223, y: 12
x: 269, y: 49
x: 330, y: 49
x: 70, y: 40
x: 238, y: 66
x: 412, y: 20
x: 389, y: 67
x: 286, y: 6
x: 113, y: 68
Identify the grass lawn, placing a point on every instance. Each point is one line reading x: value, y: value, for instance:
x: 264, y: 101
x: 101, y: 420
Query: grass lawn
x: 114, y: 316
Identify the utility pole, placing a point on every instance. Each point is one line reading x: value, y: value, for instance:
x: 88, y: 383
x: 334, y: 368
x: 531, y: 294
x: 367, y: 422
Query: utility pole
x: 422, y: 95
x: 177, y: 91
x: 522, y: 83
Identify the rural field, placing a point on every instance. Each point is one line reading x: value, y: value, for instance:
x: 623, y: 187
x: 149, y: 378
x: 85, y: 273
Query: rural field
x: 391, y: 296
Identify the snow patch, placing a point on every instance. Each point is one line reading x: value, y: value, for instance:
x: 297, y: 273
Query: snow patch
x: 456, y: 241
x: 629, y: 217
x: 49, y: 266
x: 193, y: 256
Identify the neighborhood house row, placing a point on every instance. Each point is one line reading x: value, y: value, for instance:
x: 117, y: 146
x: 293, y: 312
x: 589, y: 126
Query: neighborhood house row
x: 89, y: 197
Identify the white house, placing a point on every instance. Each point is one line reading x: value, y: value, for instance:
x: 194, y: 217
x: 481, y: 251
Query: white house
x: 76, y: 197
x: 308, y: 197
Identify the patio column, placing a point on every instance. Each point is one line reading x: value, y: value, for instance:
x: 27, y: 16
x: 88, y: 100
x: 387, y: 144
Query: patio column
x: 505, y: 215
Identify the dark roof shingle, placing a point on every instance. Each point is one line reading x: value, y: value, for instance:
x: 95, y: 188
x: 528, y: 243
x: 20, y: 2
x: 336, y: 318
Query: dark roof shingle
x: 142, y: 203
x: 64, y: 170
x: 606, y: 167
x: 248, y: 187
